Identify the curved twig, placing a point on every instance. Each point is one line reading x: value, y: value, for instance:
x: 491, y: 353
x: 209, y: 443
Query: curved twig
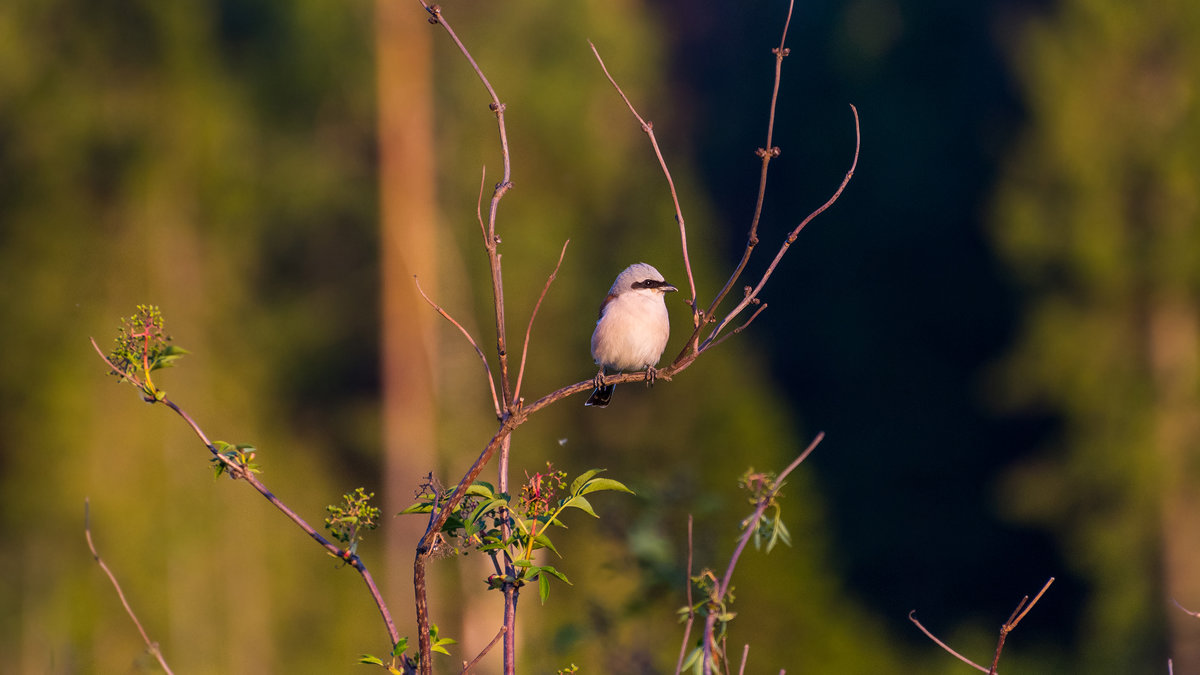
x: 912, y: 616
x: 151, y: 645
x: 532, y: 316
x: 474, y: 345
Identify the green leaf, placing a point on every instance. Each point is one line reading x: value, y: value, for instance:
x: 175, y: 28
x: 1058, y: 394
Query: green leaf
x: 542, y: 541
x: 549, y: 569
x: 543, y: 587
x: 583, y: 478
x: 484, y: 507
x: 373, y: 660
x: 481, y: 489
x: 400, y: 648
x: 419, y: 507
x: 597, y: 484
x: 580, y: 502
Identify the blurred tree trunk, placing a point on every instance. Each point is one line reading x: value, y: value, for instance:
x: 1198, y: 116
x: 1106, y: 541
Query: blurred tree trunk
x: 407, y: 212
x: 1173, y: 341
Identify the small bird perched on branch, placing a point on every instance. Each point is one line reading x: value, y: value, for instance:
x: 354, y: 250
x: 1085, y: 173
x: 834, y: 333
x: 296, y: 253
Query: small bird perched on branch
x: 632, y: 331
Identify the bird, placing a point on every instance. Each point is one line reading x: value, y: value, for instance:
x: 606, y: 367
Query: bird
x: 632, y: 330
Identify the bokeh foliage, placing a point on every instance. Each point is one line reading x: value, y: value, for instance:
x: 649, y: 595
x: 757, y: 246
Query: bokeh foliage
x: 217, y: 159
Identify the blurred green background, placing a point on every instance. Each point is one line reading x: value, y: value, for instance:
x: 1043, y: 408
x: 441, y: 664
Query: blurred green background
x: 996, y: 326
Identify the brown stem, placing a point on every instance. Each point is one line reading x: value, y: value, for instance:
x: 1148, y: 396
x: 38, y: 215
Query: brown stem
x: 766, y: 154
x: 151, y: 646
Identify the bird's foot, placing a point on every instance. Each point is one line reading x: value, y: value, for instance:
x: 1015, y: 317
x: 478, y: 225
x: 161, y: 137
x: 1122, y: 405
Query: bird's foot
x: 651, y: 375
x: 598, y: 381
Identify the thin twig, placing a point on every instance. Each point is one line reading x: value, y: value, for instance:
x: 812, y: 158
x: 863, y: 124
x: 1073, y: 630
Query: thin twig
x: 912, y: 616
x: 745, y: 658
x: 1185, y: 609
x: 466, y: 334
x: 237, y: 471
x: 648, y: 128
x: 1019, y: 613
x: 691, y: 615
x: 762, y: 306
x: 467, y: 666
x: 1014, y: 619
x: 151, y: 645
x: 766, y: 154
x: 532, y: 316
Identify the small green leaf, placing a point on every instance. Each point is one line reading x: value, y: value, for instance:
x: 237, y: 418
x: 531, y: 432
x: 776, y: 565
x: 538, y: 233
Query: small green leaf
x: 419, y: 507
x: 373, y: 660
x: 543, y: 587
x: 542, y: 541
x: 481, y: 489
x: 582, y: 480
x: 400, y: 648
x: 548, y: 569
x: 483, y: 508
x: 580, y: 502
x: 597, y: 484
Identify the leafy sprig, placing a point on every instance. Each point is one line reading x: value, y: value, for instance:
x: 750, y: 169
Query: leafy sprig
x: 479, y: 520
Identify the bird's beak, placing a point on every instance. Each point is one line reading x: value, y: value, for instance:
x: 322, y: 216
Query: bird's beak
x: 668, y: 288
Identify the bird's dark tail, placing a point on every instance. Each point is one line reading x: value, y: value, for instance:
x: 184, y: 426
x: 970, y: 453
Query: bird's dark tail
x: 602, y: 396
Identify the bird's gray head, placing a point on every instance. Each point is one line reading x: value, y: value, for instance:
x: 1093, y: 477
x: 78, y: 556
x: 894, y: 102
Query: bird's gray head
x: 640, y: 276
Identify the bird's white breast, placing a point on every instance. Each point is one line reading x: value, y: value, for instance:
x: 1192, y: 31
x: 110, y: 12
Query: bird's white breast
x: 632, y: 331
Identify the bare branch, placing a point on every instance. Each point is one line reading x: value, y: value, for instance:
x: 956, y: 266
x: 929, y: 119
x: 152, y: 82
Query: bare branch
x: 467, y: 666
x: 648, y: 128
x: 1014, y: 619
x: 912, y: 616
x: 766, y: 154
x: 529, y: 328
x: 466, y: 334
x: 691, y: 615
x: 151, y: 646
x: 739, y: 329
x: 791, y: 238
x: 745, y: 658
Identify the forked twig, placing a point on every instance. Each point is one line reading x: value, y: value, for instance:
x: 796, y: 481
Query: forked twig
x: 151, y: 645
x: 1009, y: 626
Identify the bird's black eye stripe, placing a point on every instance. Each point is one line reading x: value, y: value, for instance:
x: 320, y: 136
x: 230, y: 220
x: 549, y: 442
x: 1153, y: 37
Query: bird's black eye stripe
x: 648, y: 283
